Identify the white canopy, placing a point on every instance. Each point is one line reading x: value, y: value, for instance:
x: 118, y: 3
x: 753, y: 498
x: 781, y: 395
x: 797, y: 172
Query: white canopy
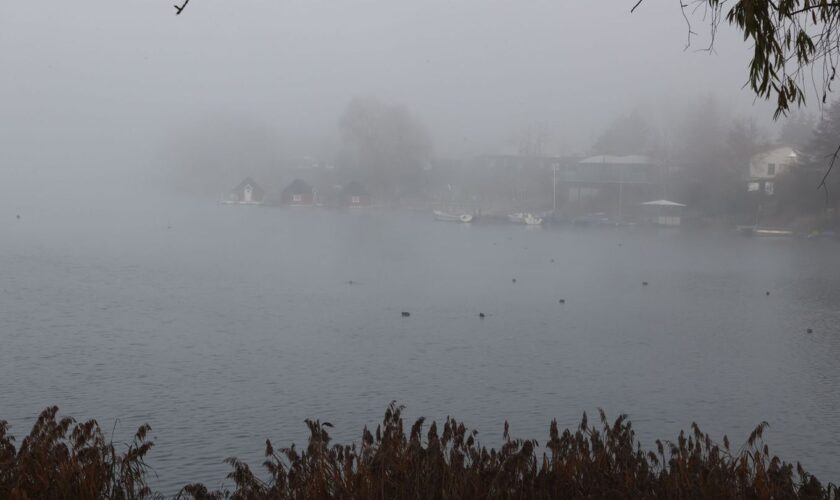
x: 663, y: 203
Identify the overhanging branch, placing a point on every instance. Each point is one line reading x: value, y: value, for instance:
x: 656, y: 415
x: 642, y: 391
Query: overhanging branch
x: 830, y: 166
x: 180, y: 8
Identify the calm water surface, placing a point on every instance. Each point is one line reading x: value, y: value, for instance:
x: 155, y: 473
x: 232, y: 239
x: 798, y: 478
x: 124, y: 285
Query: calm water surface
x: 224, y: 326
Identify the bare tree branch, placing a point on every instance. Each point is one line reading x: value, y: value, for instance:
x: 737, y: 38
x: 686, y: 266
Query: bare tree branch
x: 688, y: 25
x: 830, y: 166
x: 180, y: 8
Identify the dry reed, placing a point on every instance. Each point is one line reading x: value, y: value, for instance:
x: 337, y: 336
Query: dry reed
x: 61, y: 459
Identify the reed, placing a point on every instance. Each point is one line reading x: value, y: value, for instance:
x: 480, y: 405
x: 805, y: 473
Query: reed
x: 62, y: 459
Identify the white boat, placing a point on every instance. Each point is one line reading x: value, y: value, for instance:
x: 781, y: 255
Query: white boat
x: 533, y: 220
x: 521, y: 218
x: 764, y: 231
x: 443, y: 216
x: 772, y: 232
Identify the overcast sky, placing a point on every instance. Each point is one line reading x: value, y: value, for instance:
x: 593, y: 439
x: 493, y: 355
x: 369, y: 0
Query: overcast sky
x: 104, y: 84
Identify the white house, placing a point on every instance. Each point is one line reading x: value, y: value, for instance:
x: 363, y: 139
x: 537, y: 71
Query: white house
x: 767, y: 165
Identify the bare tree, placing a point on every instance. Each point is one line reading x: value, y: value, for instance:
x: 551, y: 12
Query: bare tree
x: 628, y: 134
x: 798, y: 129
x: 533, y: 138
x: 389, y: 145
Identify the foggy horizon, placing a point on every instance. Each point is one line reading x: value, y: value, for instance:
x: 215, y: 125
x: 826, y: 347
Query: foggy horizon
x: 111, y: 87
x: 250, y: 224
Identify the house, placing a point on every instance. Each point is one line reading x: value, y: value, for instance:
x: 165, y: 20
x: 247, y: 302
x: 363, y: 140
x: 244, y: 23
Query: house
x: 663, y: 212
x: 502, y: 182
x: 298, y: 193
x: 355, y: 195
x: 611, y: 169
x: 607, y: 183
x: 247, y: 192
x: 767, y: 165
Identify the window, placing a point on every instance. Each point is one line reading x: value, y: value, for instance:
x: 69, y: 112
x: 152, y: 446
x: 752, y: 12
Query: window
x: 768, y: 187
x: 297, y: 197
x: 355, y: 200
x: 771, y: 169
x: 752, y: 186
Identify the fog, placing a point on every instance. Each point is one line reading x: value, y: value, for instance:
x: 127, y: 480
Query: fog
x: 97, y: 91
x: 229, y: 220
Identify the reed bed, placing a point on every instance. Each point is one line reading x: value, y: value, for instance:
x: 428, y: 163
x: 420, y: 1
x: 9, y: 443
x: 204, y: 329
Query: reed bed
x: 64, y: 459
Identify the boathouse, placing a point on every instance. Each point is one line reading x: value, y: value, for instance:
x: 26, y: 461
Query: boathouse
x: 298, y: 194
x: 247, y: 192
x: 663, y: 212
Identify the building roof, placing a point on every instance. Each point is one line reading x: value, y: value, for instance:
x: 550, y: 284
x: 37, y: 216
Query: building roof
x: 789, y: 151
x: 618, y: 160
x: 662, y: 203
x: 354, y: 188
x: 249, y: 181
x: 298, y: 186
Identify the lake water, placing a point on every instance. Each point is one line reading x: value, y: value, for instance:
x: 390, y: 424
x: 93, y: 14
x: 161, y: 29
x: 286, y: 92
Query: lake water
x: 223, y: 326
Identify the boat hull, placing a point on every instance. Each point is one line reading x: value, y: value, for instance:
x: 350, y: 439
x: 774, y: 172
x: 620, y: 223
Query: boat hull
x: 528, y: 219
x: 445, y: 217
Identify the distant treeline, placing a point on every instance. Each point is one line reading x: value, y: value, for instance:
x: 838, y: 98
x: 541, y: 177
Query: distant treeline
x: 63, y: 459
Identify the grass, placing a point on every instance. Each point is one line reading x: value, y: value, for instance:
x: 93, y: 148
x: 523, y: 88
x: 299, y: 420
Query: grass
x: 63, y: 459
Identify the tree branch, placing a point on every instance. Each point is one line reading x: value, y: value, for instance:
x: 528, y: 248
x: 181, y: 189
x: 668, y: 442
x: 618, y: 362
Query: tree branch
x: 830, y: 166
x: 179, y: 9
x: 807, y: 8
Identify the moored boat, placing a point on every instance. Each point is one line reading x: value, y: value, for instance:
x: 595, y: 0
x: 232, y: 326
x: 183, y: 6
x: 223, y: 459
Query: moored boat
x: 446, y: 217
x: 772, y: 232
x: 523, y: 218
x: 764, y: 231
x: 533, y: 220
